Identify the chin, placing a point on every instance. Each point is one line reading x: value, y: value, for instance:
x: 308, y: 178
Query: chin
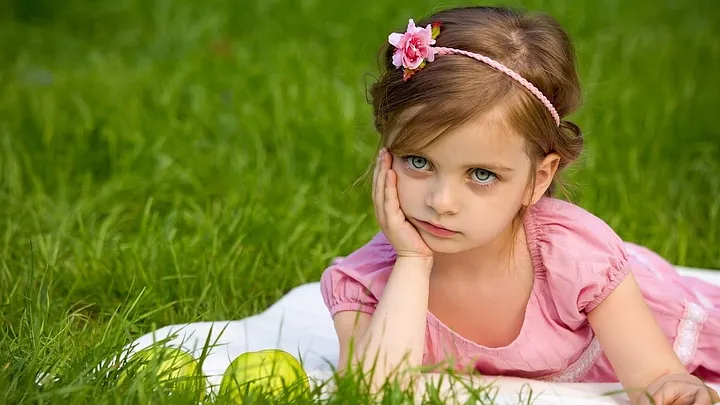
x: 445, y: 245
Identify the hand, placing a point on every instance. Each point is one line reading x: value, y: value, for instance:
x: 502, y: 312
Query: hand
x: 679, y: 389
x: 401, y: 234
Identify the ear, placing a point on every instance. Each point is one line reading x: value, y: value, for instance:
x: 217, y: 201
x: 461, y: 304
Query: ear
x: 544, y: 174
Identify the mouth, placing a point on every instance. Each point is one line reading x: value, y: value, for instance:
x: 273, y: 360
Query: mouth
x: 435, y: 229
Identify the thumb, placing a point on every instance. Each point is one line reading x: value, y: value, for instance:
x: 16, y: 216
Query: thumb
x: 714, y: 397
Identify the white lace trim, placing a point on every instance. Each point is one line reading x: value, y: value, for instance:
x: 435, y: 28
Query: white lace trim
x: 580, y: 368
x: 688, y: 332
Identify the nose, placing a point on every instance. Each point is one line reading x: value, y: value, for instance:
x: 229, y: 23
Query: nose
x: 442, y: 197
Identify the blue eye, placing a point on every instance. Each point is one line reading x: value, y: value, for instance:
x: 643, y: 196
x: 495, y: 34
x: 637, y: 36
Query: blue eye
x: 483, y: 176
x: 416, y: 162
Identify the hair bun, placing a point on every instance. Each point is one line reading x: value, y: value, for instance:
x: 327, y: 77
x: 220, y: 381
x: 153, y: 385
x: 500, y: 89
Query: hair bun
x: 570, y: 143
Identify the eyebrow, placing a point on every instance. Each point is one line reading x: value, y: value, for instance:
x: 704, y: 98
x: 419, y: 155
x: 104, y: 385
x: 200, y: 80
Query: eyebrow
x: 495, y: 167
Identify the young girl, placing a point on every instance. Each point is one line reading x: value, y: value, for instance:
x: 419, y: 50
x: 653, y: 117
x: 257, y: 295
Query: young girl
x: 477, y: 265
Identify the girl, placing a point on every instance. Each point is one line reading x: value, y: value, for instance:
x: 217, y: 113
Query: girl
x: 477, y: 265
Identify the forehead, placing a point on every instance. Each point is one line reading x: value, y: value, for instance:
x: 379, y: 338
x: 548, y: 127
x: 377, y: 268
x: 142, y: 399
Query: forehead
x: 482, y: 140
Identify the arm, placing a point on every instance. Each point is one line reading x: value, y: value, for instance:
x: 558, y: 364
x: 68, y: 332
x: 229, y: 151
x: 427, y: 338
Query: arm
x: 638, y: 349
x: 394, y: 337
x: 395, y: 330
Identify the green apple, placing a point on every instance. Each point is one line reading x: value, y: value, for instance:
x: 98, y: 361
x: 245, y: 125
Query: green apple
x: 175, y: 368
x: 272, y: 372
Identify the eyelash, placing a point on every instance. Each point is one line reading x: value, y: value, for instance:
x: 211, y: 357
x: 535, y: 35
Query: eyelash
x: 410, y: 167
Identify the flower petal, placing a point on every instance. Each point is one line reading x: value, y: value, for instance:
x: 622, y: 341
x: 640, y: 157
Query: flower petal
x: 397, y: 58
x: 411, y: 25
x: 394, y: 39
x: 412, y: 63
x: 431, y: 54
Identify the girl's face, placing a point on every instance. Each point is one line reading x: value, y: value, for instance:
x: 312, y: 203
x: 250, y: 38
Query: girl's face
x: 472, y: 182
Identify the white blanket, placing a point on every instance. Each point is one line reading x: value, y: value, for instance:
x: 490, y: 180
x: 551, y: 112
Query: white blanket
x: 300, y: 324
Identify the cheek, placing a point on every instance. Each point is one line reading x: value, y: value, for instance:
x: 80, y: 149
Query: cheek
x: 498, y: 207
x: 522, y: 191
x: 511, y: 196
x: 508, y: 203
x: 404, y: 189
x: 408, y: 188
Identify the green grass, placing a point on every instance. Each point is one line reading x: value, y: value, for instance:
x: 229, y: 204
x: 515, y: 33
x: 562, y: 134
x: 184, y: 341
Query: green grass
x: 166, y: 162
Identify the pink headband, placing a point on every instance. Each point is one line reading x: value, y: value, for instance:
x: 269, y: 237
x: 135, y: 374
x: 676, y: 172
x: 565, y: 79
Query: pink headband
x: 413, y: 51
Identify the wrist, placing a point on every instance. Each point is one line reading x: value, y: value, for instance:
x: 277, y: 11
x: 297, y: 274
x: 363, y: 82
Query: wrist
x: 669, y: 376
x: 417, y: 260
x: 414, y: 264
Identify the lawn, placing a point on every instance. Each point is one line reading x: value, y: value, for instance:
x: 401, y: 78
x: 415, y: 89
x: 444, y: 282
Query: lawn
x: 166, y: 162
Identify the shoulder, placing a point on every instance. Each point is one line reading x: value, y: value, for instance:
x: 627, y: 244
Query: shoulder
x: 357, y: 281
x: 564, y: 234
x: 367, y: 263
x: 579, y: 255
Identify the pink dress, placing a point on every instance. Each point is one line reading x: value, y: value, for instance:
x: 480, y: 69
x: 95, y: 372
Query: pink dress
x: 578, y: 260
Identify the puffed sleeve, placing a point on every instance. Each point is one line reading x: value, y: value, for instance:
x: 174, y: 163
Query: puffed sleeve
x: 356, y: 283
x: 583, y: 259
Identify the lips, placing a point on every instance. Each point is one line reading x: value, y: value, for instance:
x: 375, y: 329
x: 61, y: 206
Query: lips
x: 435, y: 229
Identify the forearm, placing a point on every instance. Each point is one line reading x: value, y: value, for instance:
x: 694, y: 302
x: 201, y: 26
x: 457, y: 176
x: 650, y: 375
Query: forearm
x: 395, y: 337
x: 632, y: 340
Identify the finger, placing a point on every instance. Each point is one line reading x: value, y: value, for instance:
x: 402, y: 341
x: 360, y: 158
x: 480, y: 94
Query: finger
x: 703, y: 396
x: 392, y: 203
x: 700, y: 398
x: 380, y: 189
x: 667, y: 394
x: 674, y: 396
x: 387, y: 165
x: 389, y: 185
x: 714, y: 397
x: 375, y: 174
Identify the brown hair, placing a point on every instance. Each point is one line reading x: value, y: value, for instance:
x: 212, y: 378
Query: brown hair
x: 454, y: 89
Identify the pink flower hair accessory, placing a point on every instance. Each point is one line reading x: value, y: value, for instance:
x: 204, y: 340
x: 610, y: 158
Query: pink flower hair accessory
x: 414, y: 49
